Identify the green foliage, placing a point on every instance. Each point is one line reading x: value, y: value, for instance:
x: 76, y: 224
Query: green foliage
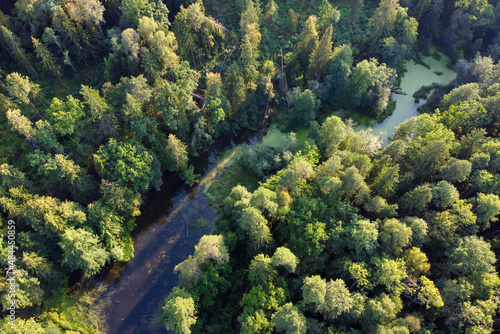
x: 177, y: 154
x: 81, y: 250
x: 179, y: 311
x: 209, y: 248
x: 290, y: 320
x: 391, y: 274
x: 378, y: 223
x: 304, y: 109
x: 284, y: 257
x: 127, y: 163
x: 394, y: 236
x: 261, y: 270
x: 472, y: 255
x: 330, y: 135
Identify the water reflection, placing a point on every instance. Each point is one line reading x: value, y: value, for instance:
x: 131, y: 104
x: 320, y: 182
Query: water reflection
x: 166, y: 234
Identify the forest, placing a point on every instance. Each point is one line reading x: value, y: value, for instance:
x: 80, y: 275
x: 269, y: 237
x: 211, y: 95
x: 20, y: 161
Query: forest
x: 342, y: 233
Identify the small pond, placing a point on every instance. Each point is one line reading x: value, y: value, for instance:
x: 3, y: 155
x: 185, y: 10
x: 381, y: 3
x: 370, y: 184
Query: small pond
x: 416, y: 76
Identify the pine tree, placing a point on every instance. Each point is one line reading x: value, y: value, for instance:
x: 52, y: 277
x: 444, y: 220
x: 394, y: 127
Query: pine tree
x: 13, y: 45
x: 308, y: 40
x: 46, y: 58
x: 382, y: 22
x: 322, y: 55
x: 177, y: 154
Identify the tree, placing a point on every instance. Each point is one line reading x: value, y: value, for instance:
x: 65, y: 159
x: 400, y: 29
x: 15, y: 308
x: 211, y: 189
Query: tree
x: 265, y: 200
x: 28, y: 291
x: 415, y: 201
x: 284, y: 257
x: 338, y: 300
x: 261, y: 269
x: 15, y: 49
x: 179, y: 311
x: 467, y: 92
x: 195, y: 33
x: 130, y: 44
x: 49, y: 216
x: 260, y: 237
x: 337, y: 79
x: 327, y: 15
x: 487, y: 207
x: 394, y: 236
x: 121, y: 199
x: 416, y: 262
x: 256, y: 323
x: 456, y: 170
x: 176, y: 153
x: 47, y: 138
x: 65, y: 116
x: 164, y: 45
x: 88, y: 11
x: 97, y: 104
x: 22, y: 89
x: 352, y: 182
x: 314, y: 290
x: 211, y: 247
x: 478, y: 11
x: 257, y: 304
x: 106, y: 222
x: 382, y: 22
x: 304, y: 109
x: 370, y: 86
x: 127, y: 163
x: 290, y: 320
x: 361, y: 275
x: 381, y: 310
x: 330, y: 135
x: 24, y: 326
x: 465, y: 117
x: 391, y: 274
x: 307, y: 42
x: 444, y: 195
x: 364, y: 236
x: 428, y: 294
x: 239, y: 198
x: 472, y: 255
x: 46, y: 58
x: 131, y: 10
x: 175, y: 98
x: 250, y: 218
x: 216, y: 102
x: 81, y: 250
x: 309, y: 239
x: 271, y: 12
x: 21, y: 123
x: 322, y: 55
x: 386, y: 181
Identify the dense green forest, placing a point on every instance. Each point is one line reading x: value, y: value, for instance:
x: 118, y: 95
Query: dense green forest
x: 99, y: 99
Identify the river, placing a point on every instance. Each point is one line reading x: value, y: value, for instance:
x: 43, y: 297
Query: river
x: 166, y: 231
x: 166, y: 234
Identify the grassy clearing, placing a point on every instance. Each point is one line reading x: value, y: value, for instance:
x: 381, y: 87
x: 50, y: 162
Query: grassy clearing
x: 227, y: 174
x: 275, y: 137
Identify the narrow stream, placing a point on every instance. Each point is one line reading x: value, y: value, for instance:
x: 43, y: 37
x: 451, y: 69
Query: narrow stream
x: 166, y: 233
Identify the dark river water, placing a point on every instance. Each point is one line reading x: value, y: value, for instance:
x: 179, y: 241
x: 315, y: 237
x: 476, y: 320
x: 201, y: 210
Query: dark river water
x: 166, y: 234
